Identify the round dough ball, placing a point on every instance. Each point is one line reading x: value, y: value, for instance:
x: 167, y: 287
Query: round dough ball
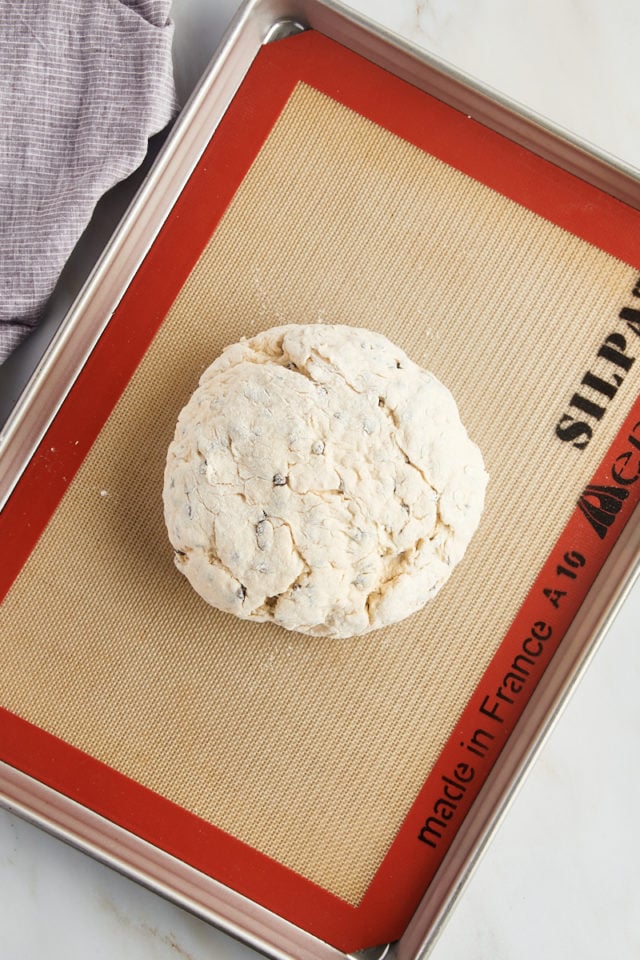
x: 320, y: 479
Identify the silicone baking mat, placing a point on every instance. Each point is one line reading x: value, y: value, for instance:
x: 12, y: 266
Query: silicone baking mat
x: 326, y: 779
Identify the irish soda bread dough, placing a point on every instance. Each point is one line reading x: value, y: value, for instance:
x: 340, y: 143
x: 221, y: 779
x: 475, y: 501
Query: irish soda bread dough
x: 320, y: 479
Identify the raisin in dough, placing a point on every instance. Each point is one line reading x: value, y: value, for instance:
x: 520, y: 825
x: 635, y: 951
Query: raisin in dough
x: 320, y: 479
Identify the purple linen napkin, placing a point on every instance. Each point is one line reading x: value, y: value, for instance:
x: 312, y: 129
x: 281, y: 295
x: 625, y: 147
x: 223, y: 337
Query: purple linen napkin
x: 83, y: 85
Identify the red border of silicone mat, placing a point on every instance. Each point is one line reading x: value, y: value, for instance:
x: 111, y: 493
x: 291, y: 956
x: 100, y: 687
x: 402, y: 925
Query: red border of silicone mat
x: 490, y: 158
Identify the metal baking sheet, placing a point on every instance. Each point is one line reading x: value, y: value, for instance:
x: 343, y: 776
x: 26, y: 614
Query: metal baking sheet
x: 259, y: 22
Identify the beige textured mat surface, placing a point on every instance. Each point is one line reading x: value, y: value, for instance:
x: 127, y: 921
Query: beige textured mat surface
x: 313, y: 750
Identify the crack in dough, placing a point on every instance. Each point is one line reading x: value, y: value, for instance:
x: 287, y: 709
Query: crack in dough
x: 320, y: 479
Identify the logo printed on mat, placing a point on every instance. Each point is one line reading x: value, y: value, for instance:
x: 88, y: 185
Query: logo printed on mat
x: 613, y: 352
x: 601, y: 503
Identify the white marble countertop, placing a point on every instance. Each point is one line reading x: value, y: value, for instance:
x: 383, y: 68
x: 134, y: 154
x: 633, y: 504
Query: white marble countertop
x: 561, y: 878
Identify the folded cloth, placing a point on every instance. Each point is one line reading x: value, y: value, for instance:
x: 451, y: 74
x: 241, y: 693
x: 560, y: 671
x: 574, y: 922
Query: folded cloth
x: 83, y: 84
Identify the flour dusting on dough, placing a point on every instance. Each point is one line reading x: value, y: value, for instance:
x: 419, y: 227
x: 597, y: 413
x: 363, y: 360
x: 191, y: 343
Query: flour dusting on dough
x: 320, y: 479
